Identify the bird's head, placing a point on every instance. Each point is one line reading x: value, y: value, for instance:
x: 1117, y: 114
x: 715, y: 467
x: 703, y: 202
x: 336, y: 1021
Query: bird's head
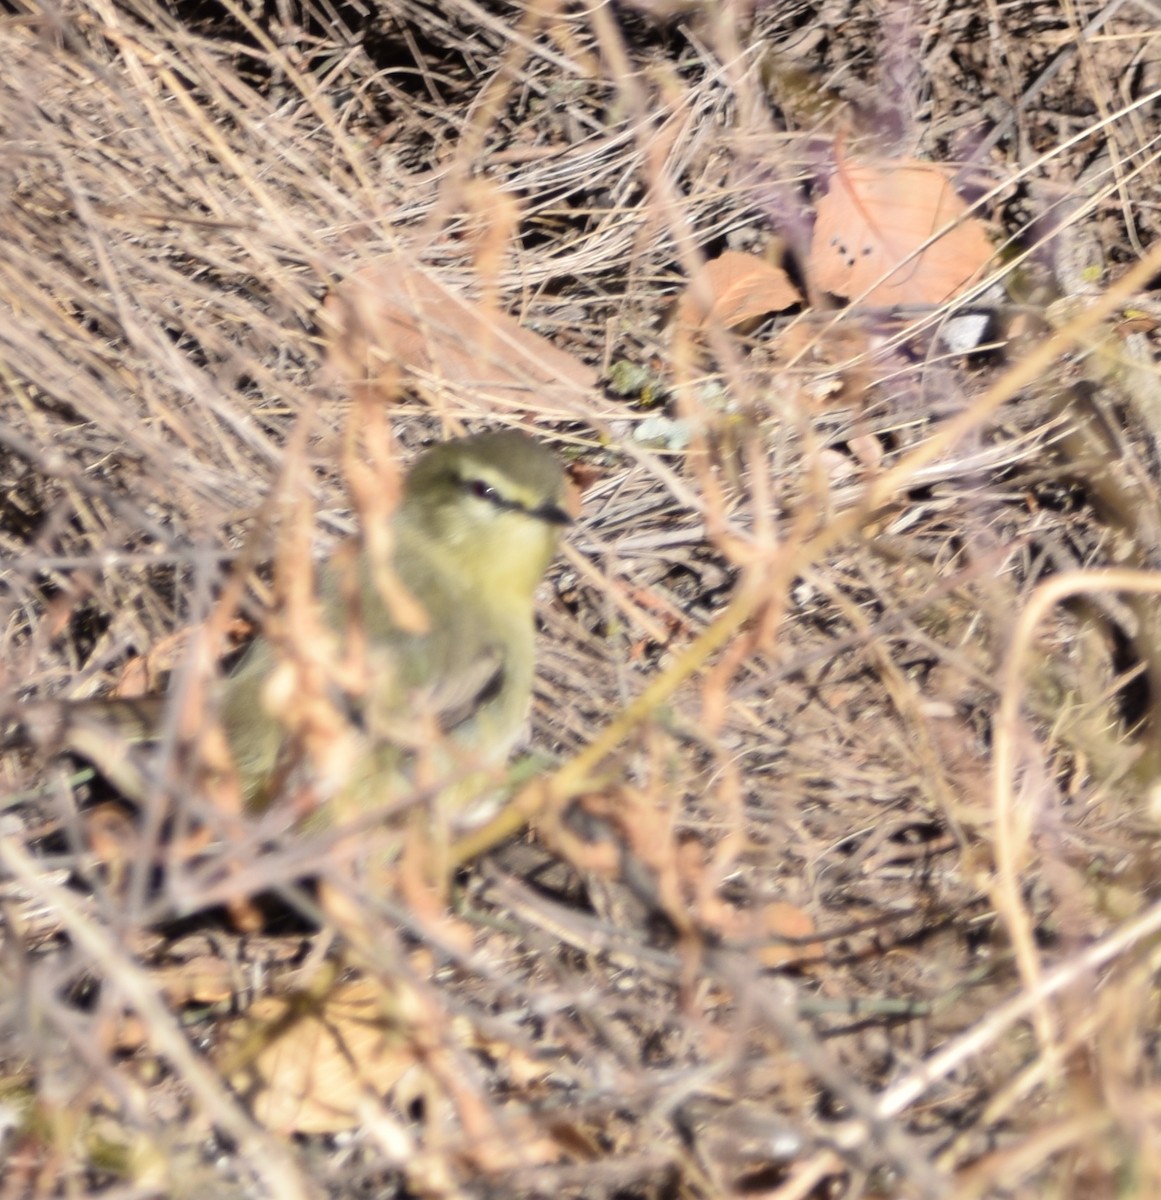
x: 494, y: 502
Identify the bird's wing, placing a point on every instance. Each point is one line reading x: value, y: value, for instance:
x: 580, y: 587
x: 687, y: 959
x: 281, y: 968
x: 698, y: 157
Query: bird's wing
x: 454, y: 698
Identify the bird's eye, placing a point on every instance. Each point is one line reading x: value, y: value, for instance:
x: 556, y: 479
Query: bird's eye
x: 483, y: 491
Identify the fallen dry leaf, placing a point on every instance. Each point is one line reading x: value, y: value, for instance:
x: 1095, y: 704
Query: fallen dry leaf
x: 389, y: 318
x: 867, y: 449
x: 872, y: 223
x: 778, y: 921
x: 743, y: 288
x: 307, y: 1064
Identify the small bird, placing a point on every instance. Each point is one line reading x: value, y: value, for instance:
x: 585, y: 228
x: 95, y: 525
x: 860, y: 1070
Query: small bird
x: 447, y: 688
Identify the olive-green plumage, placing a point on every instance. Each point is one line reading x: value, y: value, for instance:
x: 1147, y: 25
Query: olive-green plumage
x: 479, y: 522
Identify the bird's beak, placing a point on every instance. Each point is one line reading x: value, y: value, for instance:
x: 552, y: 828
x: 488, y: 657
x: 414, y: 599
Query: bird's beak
x: 553, y: 514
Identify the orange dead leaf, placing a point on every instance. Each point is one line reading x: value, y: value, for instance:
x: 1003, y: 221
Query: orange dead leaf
x: 113, y: 841
x: 872, y: 223
x: 778, y: 928
x: 743, y: 288
x: 579, y: 477
x: 389, y: 318
x: 673, y: 620
x: 584, y: 475
x: 141, y: 676
x: 779, y: 920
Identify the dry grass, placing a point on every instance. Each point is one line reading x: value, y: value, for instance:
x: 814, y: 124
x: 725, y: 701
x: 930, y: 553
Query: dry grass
x: 861, y: 898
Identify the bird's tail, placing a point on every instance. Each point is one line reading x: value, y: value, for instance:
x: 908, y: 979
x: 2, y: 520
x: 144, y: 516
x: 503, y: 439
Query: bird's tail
x: 56, y: 725
x: 100, y: 731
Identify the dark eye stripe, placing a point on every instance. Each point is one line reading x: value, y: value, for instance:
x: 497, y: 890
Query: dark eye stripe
x: 548, y: 512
